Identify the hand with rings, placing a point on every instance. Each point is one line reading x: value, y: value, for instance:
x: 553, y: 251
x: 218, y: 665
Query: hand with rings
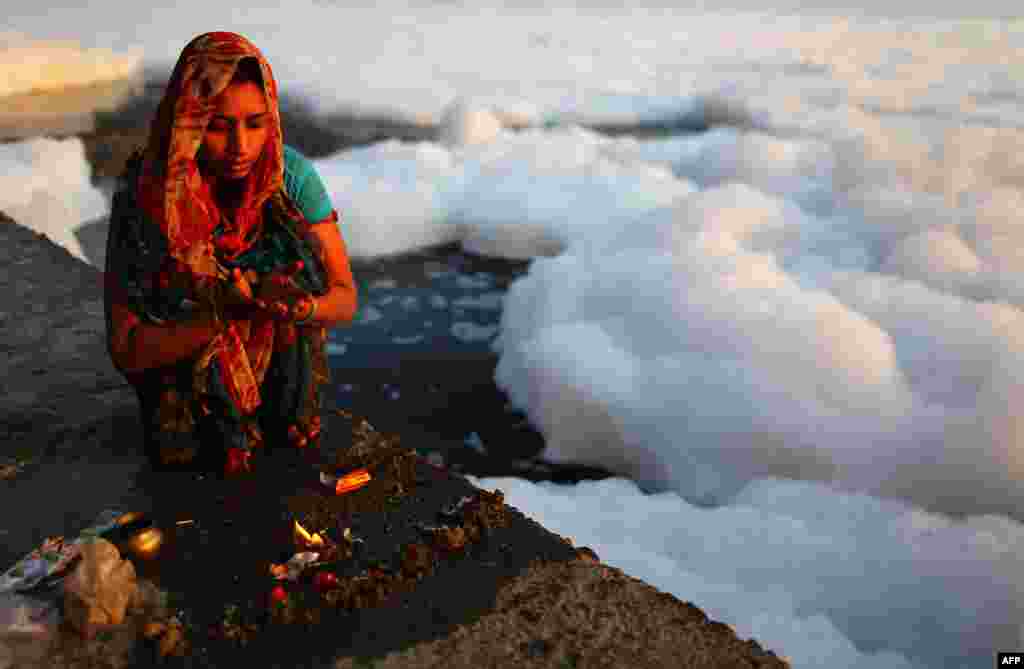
x: 279, y: 295
x: 285, y: 310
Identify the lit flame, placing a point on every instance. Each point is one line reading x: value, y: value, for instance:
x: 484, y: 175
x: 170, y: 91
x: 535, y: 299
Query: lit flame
x: 305, y: 538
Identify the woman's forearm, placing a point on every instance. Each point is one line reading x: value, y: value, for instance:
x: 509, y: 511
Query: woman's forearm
x: 340, y: 303
x: 141, y: 346
x: 337, y: 307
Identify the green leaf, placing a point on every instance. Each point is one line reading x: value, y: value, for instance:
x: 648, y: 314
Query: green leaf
x: 23, y: 453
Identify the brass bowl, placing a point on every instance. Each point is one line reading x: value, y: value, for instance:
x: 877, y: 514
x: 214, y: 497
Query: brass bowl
x: 147, y: 543
x: 130, y: 517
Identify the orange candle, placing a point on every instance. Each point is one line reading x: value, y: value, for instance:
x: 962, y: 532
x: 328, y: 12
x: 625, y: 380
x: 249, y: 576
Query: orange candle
x: 352, y: 481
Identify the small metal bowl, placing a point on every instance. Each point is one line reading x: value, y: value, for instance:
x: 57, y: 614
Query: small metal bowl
x: 146, y: 544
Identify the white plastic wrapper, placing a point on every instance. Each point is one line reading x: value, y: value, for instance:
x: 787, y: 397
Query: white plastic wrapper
x: 295, y: 566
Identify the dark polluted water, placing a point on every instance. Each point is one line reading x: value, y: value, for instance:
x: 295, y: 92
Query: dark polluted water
x: 417, y: 360
x: 442, y: 302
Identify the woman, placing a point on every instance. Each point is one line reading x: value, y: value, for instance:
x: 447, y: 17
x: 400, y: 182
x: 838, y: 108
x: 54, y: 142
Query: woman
x: 224, y: 267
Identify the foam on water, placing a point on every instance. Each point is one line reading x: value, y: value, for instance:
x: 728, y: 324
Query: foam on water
x: 44, y: 185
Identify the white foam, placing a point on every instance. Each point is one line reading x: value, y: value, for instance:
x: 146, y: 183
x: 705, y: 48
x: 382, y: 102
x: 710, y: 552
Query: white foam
x: 471, y: 332
x: 464, y: 123
x: 44, y: 185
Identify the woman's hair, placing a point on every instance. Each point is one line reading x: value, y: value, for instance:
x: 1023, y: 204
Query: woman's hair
x: 248, y: 71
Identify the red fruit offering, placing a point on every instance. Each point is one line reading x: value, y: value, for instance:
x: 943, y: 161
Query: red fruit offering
x: 237, y: 461
x: 279, y: 595
x: 325, y: 580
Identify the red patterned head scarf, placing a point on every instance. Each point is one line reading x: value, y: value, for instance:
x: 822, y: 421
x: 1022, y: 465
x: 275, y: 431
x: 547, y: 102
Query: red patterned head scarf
x: 176, y: 198
x: 171, y: 189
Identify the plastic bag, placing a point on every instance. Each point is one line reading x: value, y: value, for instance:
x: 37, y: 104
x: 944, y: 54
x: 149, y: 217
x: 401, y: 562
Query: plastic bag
x: 53, y: 558
x: 98, y: 591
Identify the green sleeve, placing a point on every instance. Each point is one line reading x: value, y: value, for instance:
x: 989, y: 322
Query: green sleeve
x: 305, y: 187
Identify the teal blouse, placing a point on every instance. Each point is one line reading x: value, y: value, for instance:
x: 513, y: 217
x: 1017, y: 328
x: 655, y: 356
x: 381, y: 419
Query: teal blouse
x: 304, y: 186
x: 306, y: 190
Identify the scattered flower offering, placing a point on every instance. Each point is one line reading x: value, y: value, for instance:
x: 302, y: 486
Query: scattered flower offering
x: 237, y: 461
x: 279, y: 595
x: 291, y: 570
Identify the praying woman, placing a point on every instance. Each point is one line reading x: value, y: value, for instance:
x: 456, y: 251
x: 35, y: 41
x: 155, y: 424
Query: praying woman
x: 225, y: 267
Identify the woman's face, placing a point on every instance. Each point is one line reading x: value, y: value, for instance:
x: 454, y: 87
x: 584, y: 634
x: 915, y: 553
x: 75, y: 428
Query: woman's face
x: 237, y: 132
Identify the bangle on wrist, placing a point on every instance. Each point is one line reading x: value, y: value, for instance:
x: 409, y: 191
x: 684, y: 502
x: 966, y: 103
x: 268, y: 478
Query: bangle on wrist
x: 312, y: 313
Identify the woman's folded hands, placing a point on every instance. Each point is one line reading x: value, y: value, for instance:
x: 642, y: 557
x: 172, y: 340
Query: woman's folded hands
x: 276, y: 295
